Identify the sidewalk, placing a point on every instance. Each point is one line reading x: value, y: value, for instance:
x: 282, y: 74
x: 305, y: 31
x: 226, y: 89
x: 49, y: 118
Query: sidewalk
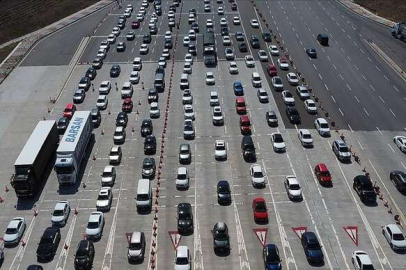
x: 366, y: 13
x: 27, y: 41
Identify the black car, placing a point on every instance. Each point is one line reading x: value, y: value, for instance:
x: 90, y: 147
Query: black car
x: 121, y: 25
x: 185, y: 218
x: 195, y: 27
x: 96, y: 117
x: 146, y: 127
x: 153, y: 30
x: 130, y: 35
x: 192, y: 11
x: 158, y: 11
x: 312, y: 247
x: 120, y: 47
x: 48, y: 244
x: 152, y: 95
x: 122, y: 119
x: 255, y: 42
x: 172, y: 7
x: 311, y: 52
x: 91, y: 73
x: 234, y: 6
x: 242, y: 46
x: 364, y: 188
x: 168, y: 44
x: 221, y: 238
x: 150, y: 145
x: 272, y: 260
x: 62, y: 124
x: 115, y: 71
x: 267, y: 37
x: 293, y: 114
x: 148, y: 168
x: 271, y: 118
x: 224, y: 31
x: 146, y: 38
x: 84, y: 83
x: 399, y: 180
x: 223, y: 192
x: 84, y: 255
x: 239, y: 36
x: 160, y: 69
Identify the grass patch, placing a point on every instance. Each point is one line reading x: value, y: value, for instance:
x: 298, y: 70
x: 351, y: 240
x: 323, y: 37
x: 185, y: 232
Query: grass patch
x: 4, y: 52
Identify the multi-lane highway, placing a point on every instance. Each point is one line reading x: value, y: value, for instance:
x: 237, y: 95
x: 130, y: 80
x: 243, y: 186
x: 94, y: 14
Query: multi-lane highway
x: 359, y: 90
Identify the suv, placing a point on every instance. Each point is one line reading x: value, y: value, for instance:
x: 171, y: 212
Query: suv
x: 312, y: 247
x: 146, y: 127
x: 119, y: 135
x: 84, y: 255
x: 182, y: 178
x: 271, y: 118
x: 148, y: 168
x: 136, y: 247
x: 248, y: 148
x: 185, y: 218
x: 96, y: 117
x: 48, y: 244
x: 150, y: 145
x: 185, y: 154
x: 221, y: 239
x: 364, y: 188
x: 341, y: 150
x: 223, y: 192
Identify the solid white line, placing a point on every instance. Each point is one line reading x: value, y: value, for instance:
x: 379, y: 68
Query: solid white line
x: 372, y: 87
x: 356, y: 67
x: 362, y: 51
x: 370, y: 60
x: 377, y: 68
x: 335, y: 67
x: 342, y: 78
x: 350, y: 127
x: 379, y: 130
x: 360, y: 145
x: 314, y: 66
x: 363, y: 76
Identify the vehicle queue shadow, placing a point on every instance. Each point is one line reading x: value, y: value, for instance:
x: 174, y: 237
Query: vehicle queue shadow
x: 30, y: 203
x: 73, y: 189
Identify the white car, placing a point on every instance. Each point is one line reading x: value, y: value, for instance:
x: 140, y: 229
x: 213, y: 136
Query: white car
x: 400, y: 142
x: 116, y: 31
x: 140, y: 17
x: 209, y: 23
x: 263, y: 56
x: 278, y: 144
x: 189, y: 58
x: 104, y: 199
x: 233, y: 68
x: 210, y: 78
x: 395, y: 237
x: 226, y: 41
x: 214, y: 99
x: 166, y: 53
x: 188, y: 112
x: 151, y: 23
x: 187, y: 97
x: 310, y: 106
x: 187, y: 68
x: 223, y: 22
x: 254, y: 23
x: 220, y: 150
x: 288, y: 98
x: 154, y: 111
x: 105, y: 44
x: 322, y: 127
x: 111, y: 38
x: 101, y: 53
x: 171, y: 14
x: 168, y: 35
x: 102, y: 102
x: 188, y: 129
x: 60, y: 214
x: 183, y: 259
x: 171, y: 22
x: 137, y: 64
x: 249, y: 61
x: 283, y: 64
x: 95, y: 225
x: 182, y: 178
x: 262, y: 95
x: 361, y: 260
x: 277, y: 83
x: 256, y: 79
x: 115, y: 154
x: 14, y: 231
x: 274, y: 50
x: 192, y: 34
x: 229, y: 53
x: 292, y: 78
x: 220, y: 11
x: 293, y: 188
x: 303, y: 92
x: 191, y: 18
x: 257, y: 176
x: 305, y: 138
x: 207, y: 8
x: 108, y: 176
x: 144, y: 49
x: 236, y: 20
x: 134, y: 77
x: 217, y: 114
x: 105, y: 88
x: 186, y: 41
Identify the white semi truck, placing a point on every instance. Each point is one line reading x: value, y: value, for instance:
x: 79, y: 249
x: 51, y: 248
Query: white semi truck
x: 399, y: 31
x: 72, y: 148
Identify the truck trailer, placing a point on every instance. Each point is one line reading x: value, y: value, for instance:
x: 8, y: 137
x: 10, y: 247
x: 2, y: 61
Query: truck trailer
x: 399, y: 31
x: 33, y: 159
x: 72, y: 148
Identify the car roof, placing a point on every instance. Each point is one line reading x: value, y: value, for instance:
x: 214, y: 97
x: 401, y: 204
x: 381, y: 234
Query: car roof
x: 321, y: 120
x: 50, y: 232
x: 256, y: 168
x: 183, y: 207
x: 322, y: 167
x: 136, y: 237
x: 223, y: 183
x: 108, y: 168
x: 244, y: 118
x: 304, y: 131
x: 310, y: 237
x: 394, y: 228
x: 94, y: 216
x: 292, y: 179
x: 60, y: 205
x: 182, y: 170
x: 259, y: 199
x: 70, y: 105
x: 115, y: 148
x: 340, y: 142
x: 240, y: 99
x: 14, y: 222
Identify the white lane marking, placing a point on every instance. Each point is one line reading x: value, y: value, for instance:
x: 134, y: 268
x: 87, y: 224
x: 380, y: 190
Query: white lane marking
x: 360, y: 145
x: 372, y: 87
x: 314, y: 66
x: 349, y: 87
x: 335, y: 67
x: 396, y: 88
x: 383, y: 101
x: 379, y: 130
x: 370, y: 60
x: 366, y: 111
x: 386, y: 78
x: 404, y: 166
x: 333, y: 99
x: 341, y: 112
x: 341, y: 76
x: 325, y: 85
x: 392, y: 112
x: 363, y: 77
x: 377, y: 68
x: 356, y: 98
x: 350, y: 128
x: 356, y: 67
x: 391, y: 148
x: 355, y: 43
x: 328, y: 57
x: 362, y: 51
x: 21, y: 249
x: 320, y: 77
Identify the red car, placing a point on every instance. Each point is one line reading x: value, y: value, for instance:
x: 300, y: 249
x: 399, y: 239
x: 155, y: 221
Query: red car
x: 135, y: 25
x: 245, y: 124
x: 240, y: 105
x: 69, y: 110
x: 323, y: 174
x: 260, y: 210
x: 127, y: 105
x: 272, y: 70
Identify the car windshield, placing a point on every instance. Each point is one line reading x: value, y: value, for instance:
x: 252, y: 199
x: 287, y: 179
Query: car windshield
x: 260, y: 207
x: 93, y: 225
x: 135, y: 246
x: 11, y: 231
x: 272, y: 257
x: 307, y: 136
x: 223, y: 189
x: 324, y: 125
x: 294, y: 187
x: 263, y: 94
x: 221, y: 236
x: 217, y: 113
x: 398, y: 237
x: 188, y: 110
x: 103, y: 197
x: 220, y: 147
x: 58, y: 213
x: 142, y: 197
x: 343, y: 149
x: 258, y: 174
x: 188, y: 128
x: 313, y: 245
x: 278, y: 138
x: 182, y: 176
x: 182, y: 261
x: 184, y: 215
x: 118, y: 133
x: 368, y: 267
x: 311, y: 105
x: 288, y: 94
x: 147, y: 166
x: 245, y: 123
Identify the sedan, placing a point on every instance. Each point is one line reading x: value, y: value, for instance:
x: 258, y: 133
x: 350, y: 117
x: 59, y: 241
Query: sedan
x: 263, y: 56
x: 104, y: 199
x: 144, y: 49
x: 257, y: 176
x: 101, y: 53
x: 130, y: 35
x: 95, y: 225
x: 361, y: 260
x: 312, y: 247
x: 283, y: 64
x: 292, y: 78
x: 260, y: 210
x: 394, y: 236
x: 207, y: 8
x: 305, y: 138
x: 223, y: 22
x: 115, y: 71
x: 186, y: 41
x: 254, y: 23
x: 218, y: 118
x: 79, y: 96
x: 189, y: 58
x: 267, y: 37
x: 233, y: 68
x: 249, y: 61
x: 134, y: 77
x: 220, y: 150
x: 310, y: 106
x: 303, y: 92
x: 293, y: 115
x: 400, y: 142
x: 242, y: 46
x: 116, y: 31
x: 278, y: 144
x: 188, y: 112
x: 236, y: 20
x: 399, y: 180
x: 262, y: 95
x: 277, y: 83
x: 239, y: 36
x: 274, y: 50
x: 111, y: 39
x: 226, y: 41
x: 14, y: 231
x: 220, y: 11
x: 229, y: 53
x: 102, y: 102
x: 288, y: 98
x: 293, y: 188
x: 210, y: 78
x: 272, y: 260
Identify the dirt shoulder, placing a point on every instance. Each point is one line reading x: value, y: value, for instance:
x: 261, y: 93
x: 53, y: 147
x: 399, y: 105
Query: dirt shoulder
x: 394, y: 10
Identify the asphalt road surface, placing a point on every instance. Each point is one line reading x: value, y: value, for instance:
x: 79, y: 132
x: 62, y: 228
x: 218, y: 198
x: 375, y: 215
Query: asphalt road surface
x: 368, y: 112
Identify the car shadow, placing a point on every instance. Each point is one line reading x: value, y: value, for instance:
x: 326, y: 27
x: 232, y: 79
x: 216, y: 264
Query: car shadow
x: 224, y: 253
x: 317, y: 264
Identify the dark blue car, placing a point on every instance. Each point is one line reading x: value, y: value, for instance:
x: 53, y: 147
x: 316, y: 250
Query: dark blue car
x: 312, y: 247
x: 272, y: 261
x: 238, y: 89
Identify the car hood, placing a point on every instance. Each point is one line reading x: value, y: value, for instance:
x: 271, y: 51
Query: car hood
x: 273, y: 266
x: 92, y: 231
x: 307, y: 140
x: 399, y: 243
x: 134, y: 252
x: 10, y: 237
x: 57, y: 219
x: 181, y: 181
x: 185, y: 223
x: 220, y: 243
x: 295, y: 193
x: 279, y: 145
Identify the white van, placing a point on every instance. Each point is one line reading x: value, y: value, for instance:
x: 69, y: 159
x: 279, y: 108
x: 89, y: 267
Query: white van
x: 137, y: 64
x: 127, y: 90
x: 184, y: 81
x: 144, y: 194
